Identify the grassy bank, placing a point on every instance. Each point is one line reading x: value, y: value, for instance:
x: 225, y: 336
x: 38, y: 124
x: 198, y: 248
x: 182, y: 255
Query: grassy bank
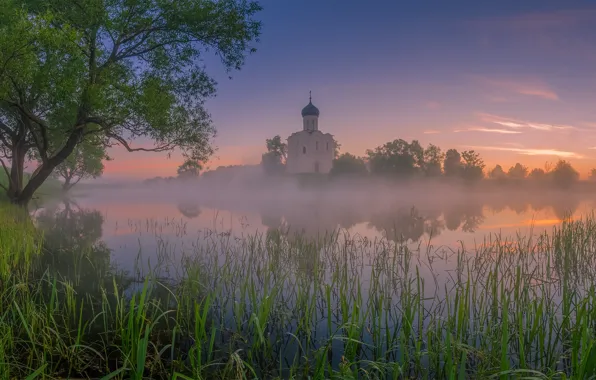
x: 272, y: 306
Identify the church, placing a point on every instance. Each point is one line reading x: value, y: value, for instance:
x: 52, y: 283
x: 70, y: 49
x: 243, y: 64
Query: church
x: 310, y: 150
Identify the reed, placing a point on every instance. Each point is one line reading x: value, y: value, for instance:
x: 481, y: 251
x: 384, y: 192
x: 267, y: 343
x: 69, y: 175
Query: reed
x: 278, y: 306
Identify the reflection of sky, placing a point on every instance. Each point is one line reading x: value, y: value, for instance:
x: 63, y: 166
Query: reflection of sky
x: 513, y: 80
x: 133, y: 226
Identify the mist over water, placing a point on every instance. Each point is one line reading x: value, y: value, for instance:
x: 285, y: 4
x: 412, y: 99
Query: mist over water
x: 432, y: 215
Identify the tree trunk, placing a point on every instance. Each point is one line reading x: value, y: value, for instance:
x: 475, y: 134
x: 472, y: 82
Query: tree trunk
x: 46, y: 169
x: 15, y: 185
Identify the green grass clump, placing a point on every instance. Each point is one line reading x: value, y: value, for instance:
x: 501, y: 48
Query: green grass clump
x: 278, y: 306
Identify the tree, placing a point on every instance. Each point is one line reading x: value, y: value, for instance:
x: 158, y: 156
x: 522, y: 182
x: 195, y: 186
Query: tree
x: 473, y: 165
x: 86, y: 161
x: 537, y: 174
x: 433, y: 159
x: 274, y: 161
x: 116, y: 70
x: 518, y: 171
x: 398, y: 158
x: 497, y: 173
x: 592, y: 175
x: 452, y: 165
x: 348, y: 164
x: 564, y: 175
x: 189, y: 170
x: 277, y: 148
x: 336, y: 149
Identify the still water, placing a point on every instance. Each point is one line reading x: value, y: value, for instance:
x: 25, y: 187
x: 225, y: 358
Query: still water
x: 139, y: 224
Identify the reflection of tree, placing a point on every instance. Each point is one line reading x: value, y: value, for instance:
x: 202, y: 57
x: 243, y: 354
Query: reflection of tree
x: 189, y: 209
x: 402, y: 225
x: 72, y: 246
x: 468, y: 217
x: 565, y: 207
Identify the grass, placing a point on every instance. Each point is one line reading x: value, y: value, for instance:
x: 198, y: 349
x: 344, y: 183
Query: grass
x: 273, y: 306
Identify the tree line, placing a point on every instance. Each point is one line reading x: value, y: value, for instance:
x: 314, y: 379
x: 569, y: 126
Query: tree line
x: 401, y: 159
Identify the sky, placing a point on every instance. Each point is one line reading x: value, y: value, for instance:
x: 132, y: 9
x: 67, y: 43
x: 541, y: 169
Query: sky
x: 513, y: 80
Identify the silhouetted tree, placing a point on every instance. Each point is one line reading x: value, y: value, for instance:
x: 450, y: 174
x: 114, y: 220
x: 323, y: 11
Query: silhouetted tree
x: 274, y: 161
x: 497, y: 173
x: 189, y: 170
x: 537, y: 174
x: 433, y: 160
x: 276, y: 146
x: 564, y: 175
x: 473, y: 165
x: 518, y: 171
x: 592, y: 175
x: 348, y: 164
x: 452, y: 165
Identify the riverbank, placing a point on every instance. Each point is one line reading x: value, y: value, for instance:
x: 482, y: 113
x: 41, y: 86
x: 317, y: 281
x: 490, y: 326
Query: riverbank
x: 275, y: 306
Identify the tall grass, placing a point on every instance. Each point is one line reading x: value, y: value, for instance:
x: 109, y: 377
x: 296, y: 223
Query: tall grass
x: 277, y: 306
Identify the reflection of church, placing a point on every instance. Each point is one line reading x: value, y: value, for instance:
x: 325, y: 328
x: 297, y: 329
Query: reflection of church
x: 310, y: 150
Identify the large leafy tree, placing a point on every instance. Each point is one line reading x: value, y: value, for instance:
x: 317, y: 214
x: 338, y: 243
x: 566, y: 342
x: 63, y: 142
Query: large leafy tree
x: 86, y: 161
x: 120, y: 70
x: 397, y: 158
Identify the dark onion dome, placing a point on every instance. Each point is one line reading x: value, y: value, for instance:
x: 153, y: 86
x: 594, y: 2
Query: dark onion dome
x: 310, y: 110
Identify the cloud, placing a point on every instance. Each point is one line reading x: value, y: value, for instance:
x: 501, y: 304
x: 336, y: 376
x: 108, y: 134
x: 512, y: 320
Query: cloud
x: 531, y: 152
x: 516, y: 123
x: 431, y: 132
x: 488, y: 130
x: 528, y: 87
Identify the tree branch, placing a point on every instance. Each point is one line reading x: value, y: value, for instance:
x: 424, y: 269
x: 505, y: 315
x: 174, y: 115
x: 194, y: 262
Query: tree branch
x: 7, y: 174
x: 123, y: 142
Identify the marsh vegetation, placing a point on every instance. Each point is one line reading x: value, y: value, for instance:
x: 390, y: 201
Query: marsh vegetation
x: 212, y: 304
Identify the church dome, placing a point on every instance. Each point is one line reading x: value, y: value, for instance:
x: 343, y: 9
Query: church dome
x: 310, y: 110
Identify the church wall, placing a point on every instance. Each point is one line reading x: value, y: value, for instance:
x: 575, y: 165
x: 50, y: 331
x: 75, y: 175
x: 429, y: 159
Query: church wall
x: 300, y: 162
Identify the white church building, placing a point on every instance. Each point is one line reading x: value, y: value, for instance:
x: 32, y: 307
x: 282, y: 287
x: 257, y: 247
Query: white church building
x: 310, y: 150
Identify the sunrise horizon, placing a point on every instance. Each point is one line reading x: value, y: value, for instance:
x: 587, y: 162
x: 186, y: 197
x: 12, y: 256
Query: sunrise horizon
x: 494, y: 78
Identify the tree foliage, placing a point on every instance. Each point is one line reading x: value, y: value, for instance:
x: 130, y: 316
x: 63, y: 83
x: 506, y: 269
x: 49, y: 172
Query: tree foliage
x: 119, y: 70
x: 433, y: 160
x: 86, y: 161
x: 564, y: 175
x: 497, y: 173
x: 348, y: 164
x: 537, y: 174
x: 189, y: 170
x: 452, y: 165
x: 518, y: 171
x: 397, y: 158
x: 473, y: 165
x: 274, y: 161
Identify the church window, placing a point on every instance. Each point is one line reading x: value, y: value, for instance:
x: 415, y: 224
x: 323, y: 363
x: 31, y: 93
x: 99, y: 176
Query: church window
x: 317, y: 145
x: 327, y: 146
x: 303, y: 150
